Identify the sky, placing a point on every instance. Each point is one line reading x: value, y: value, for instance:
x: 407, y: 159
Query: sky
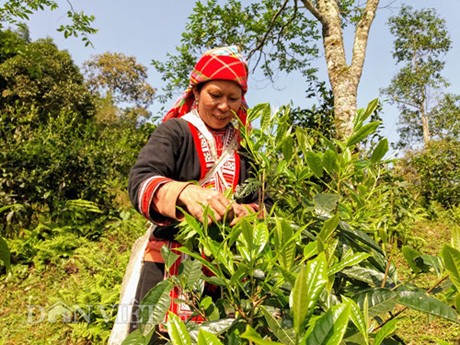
x: 150, y: 29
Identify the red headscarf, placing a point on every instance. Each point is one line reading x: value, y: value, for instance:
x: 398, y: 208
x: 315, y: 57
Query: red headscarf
x: 223, y: 63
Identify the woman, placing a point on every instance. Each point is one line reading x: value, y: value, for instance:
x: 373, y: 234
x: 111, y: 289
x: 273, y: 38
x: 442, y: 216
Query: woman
x: 192, y: 158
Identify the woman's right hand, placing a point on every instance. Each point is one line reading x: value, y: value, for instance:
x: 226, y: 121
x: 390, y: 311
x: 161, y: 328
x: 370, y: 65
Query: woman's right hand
x: 195, y: 199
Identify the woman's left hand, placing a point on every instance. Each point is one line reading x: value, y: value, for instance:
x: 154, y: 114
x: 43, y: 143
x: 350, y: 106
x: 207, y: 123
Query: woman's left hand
x: 239, y: 211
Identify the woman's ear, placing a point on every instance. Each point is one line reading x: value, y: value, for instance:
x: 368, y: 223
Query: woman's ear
x: 196, y: 93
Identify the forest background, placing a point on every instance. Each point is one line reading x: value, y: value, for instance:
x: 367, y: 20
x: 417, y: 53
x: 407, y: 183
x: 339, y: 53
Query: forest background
x: 70, y: 134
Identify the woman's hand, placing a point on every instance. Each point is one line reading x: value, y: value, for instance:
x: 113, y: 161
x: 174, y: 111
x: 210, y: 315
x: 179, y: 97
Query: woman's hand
x: 195, y: 199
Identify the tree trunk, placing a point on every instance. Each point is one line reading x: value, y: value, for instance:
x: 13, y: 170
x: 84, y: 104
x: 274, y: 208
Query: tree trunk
x: 425, y: 124
x: 344, y: 78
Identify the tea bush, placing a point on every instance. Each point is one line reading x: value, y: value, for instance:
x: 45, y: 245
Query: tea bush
x: 318, y: 268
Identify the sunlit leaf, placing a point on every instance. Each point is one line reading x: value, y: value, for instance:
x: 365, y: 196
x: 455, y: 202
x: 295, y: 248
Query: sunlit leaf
x: 379, y: 301
x: 451, y: 258
x: 427, y: 304
x: 190, y: 273
x: 299, y: 299
x: 315, y: 163
x: 325, y: 203
x: 380, y: 151
x: 134, y: 338
x: 328, y: 228
x: 367, y: 275
x: 330, y: 327
x: 168, y: 256
x: 362, y: 133
x: 207, y: 338
x: 348, y: 260
x: 277, y: 328
x: 330, y: 161
x: 5, y: 256
x: 358, y: 318
x: 309, y: 284
x: 251, y: 335
x: 387, y: 330
x: 177, y: 331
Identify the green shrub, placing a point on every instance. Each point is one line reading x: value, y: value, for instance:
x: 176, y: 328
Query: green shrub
x: 313, y: 271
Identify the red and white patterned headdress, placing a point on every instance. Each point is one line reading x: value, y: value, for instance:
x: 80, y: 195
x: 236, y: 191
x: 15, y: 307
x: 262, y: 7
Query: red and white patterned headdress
x: 223, y: 63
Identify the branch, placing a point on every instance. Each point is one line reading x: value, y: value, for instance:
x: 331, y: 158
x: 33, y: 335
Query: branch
x: 313, y: 10
x: 405, y: 308
x: 362, y: 35
x: 267, y: 33
x: 289, y: 21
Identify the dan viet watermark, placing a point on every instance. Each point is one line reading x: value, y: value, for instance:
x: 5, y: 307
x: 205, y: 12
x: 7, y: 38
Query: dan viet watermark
x: 65, y: 313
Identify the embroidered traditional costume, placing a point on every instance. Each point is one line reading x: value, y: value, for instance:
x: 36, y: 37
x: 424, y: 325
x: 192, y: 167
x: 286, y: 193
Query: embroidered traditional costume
x: 183, y: 149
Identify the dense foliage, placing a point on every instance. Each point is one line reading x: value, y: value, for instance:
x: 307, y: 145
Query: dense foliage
x: 318, y: 268
x: 53, y: 147
x: 434, y: 172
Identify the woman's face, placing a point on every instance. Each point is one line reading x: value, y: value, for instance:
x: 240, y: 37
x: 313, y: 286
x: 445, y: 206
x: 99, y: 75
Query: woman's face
x: 218, y: 101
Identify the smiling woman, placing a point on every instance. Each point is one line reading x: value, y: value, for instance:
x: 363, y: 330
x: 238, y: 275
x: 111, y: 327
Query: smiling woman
x: 217, y: 101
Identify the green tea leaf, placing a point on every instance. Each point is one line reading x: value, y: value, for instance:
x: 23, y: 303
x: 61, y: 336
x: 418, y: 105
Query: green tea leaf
x: 198, y: 257
x: 309, y: 284
x: 168, y: 256
x: 380, y: 151
x: 349, y: 259
x: 284, y: 242
x: 315, y: 163
x: 414, y: 260
x: 362, y: 133
x: 427, y: 304
x: 451, y: 258
x: 310, y: 250
x: 299, y: 300
x: 177, y: 331
x: 330, y: 327
x: 190, y: 273
x: 358, y: 318
x: 276, y: 327
x: 387, y: 330
x: 358, y: 235
x: 325, y: 203
x: 367, y: 275
x: 207, y: 338
x: 154, y: 306
x: 287, y: 148
x: 330, y: 161
x: 134, y: 338
x: 328, y: 228
x: 251, y: 335
x: 379, y: 301
x: 363, y: 114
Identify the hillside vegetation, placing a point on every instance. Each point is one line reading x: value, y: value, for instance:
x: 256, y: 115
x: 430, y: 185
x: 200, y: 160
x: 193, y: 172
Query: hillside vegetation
x: 358, y: 249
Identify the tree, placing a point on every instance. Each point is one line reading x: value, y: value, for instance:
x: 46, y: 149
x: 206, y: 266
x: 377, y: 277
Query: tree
x: 15, y: 11
x: 117, y: 77
x: 42, y: 77
x: 445, y: 118
x: 51, y: 147
x: 278, y: 35
x: 421, y: 37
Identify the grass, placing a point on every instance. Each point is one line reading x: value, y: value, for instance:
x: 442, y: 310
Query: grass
x: 91, y: 276
x: 417, y: 328
x: 84, y: 287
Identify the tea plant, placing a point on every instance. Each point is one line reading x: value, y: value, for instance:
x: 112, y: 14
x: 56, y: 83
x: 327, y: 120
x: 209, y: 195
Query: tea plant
x: 315, y: 270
